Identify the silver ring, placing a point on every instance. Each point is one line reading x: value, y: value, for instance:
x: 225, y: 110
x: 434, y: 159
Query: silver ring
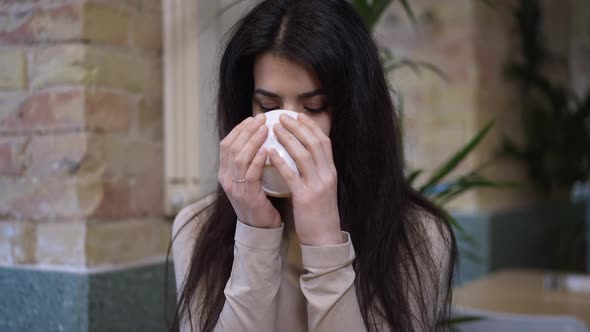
x: 238, y: 180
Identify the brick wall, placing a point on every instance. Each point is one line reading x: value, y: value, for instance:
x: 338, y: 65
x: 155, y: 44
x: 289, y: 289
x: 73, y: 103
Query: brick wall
x: 471, y: 42
x: 80, y: 132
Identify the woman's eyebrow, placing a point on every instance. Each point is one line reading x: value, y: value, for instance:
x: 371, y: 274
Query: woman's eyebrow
x: 301, y: 96
x: 311, y: 94
x: 267, y: 93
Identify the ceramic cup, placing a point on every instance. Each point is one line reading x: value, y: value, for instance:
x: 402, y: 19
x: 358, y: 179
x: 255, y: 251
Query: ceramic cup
x: 272, y: 182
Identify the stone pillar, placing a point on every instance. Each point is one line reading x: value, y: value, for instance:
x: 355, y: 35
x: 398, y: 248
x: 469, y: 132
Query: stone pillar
x: 82, y: 237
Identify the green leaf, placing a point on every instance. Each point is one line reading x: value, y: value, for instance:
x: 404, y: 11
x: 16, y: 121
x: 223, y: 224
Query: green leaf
x: 464, y: 182
x: 454, y: 223
x: 452, y: 163
x: 362, y: 8
x: 371, y: 12
x: 378, y: 8
x: 459, y: 320
x: 468, y: 239
x: 416, y: 67
x: 460, y: 233
x: 409, y: 10
x: 468, y: 182
x: 385, y: 54
x: 470, y: 255
x: 414, y: 175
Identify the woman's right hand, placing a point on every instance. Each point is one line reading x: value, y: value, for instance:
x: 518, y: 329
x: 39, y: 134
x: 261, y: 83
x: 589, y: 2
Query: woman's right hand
x: 241, y: 158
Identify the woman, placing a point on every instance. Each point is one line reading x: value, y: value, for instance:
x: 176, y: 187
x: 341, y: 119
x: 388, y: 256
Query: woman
x: 355, y: 248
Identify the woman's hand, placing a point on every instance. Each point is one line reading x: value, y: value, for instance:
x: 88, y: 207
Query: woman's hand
x: 241, y: 161
x: 315, y: 205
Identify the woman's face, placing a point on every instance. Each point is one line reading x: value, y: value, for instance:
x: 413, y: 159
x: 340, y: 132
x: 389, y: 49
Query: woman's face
x: 282, y: 84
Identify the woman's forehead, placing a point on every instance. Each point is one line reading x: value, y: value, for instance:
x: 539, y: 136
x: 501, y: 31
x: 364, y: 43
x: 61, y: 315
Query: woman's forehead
x: 282, y: 76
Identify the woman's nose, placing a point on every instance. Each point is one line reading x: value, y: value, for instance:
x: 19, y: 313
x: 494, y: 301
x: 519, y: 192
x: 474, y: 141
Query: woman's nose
x: 292, y: 107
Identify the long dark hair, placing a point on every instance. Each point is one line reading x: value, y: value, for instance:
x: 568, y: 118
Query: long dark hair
x: 376, y: 204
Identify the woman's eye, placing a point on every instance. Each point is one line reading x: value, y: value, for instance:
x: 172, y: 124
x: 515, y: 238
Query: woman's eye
x: 316, y: 109
x: 266, y: 108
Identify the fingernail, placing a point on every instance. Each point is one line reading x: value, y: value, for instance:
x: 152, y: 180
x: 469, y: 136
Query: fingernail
x: 261, y: 129
x: 259, y: 117
x: 278, y: 127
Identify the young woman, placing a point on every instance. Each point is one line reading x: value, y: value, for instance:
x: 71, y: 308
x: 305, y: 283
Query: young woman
x: 355, y: 248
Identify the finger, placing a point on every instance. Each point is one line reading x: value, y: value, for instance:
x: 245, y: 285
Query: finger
x: 249, y: 150
x: 298, y: 152
x: 290, y: 177
x: 227, y: 142
x: 255, y: 170
x: 239, y: 168
x: 313, y: 126
x: 309, y: 139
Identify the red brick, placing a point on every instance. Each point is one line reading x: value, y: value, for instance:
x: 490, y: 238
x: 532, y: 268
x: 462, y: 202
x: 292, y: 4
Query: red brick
x: 27, y: 24
x: 10, y: 165
x: 69, y: 109
x: 13, y: 69
x: 54, y: 155
x: 147, y: 192
x: 115, y: 202
x: 49, y: 199
x: 47, y: 111
x: 96, y: 66
x: 127, y: 198
x: 5, y: 158
x: 58, y: 155
x: 106, y: 24
x: 133, y: 170
x: 107, y: 111
x: 150, y: 120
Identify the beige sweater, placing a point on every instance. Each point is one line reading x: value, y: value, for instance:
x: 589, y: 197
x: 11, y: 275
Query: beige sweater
x: 276, y: 283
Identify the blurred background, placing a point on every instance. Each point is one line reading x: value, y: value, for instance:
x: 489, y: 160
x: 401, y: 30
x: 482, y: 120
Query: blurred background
x: 107, y: 130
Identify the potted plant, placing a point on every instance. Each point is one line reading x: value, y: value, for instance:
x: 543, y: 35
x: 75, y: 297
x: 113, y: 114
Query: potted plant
x: 556, y: 149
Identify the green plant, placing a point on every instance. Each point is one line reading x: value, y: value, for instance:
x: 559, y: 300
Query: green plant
x: 442, y: 192
x: 372, y: 11
x: 556, y: 121
x: 556, y: 148
x: 437, y: 188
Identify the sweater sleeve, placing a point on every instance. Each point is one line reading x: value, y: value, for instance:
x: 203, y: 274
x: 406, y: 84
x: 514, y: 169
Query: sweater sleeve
x: 328, y: 286
x: 328, y: 283
x: 251, y: 293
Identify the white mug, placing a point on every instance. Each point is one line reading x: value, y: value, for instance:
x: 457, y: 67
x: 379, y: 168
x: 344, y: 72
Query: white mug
x: 272, y: 182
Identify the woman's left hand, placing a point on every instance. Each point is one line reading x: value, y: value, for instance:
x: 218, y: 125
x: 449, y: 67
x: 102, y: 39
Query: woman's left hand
x: 315, y: 203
